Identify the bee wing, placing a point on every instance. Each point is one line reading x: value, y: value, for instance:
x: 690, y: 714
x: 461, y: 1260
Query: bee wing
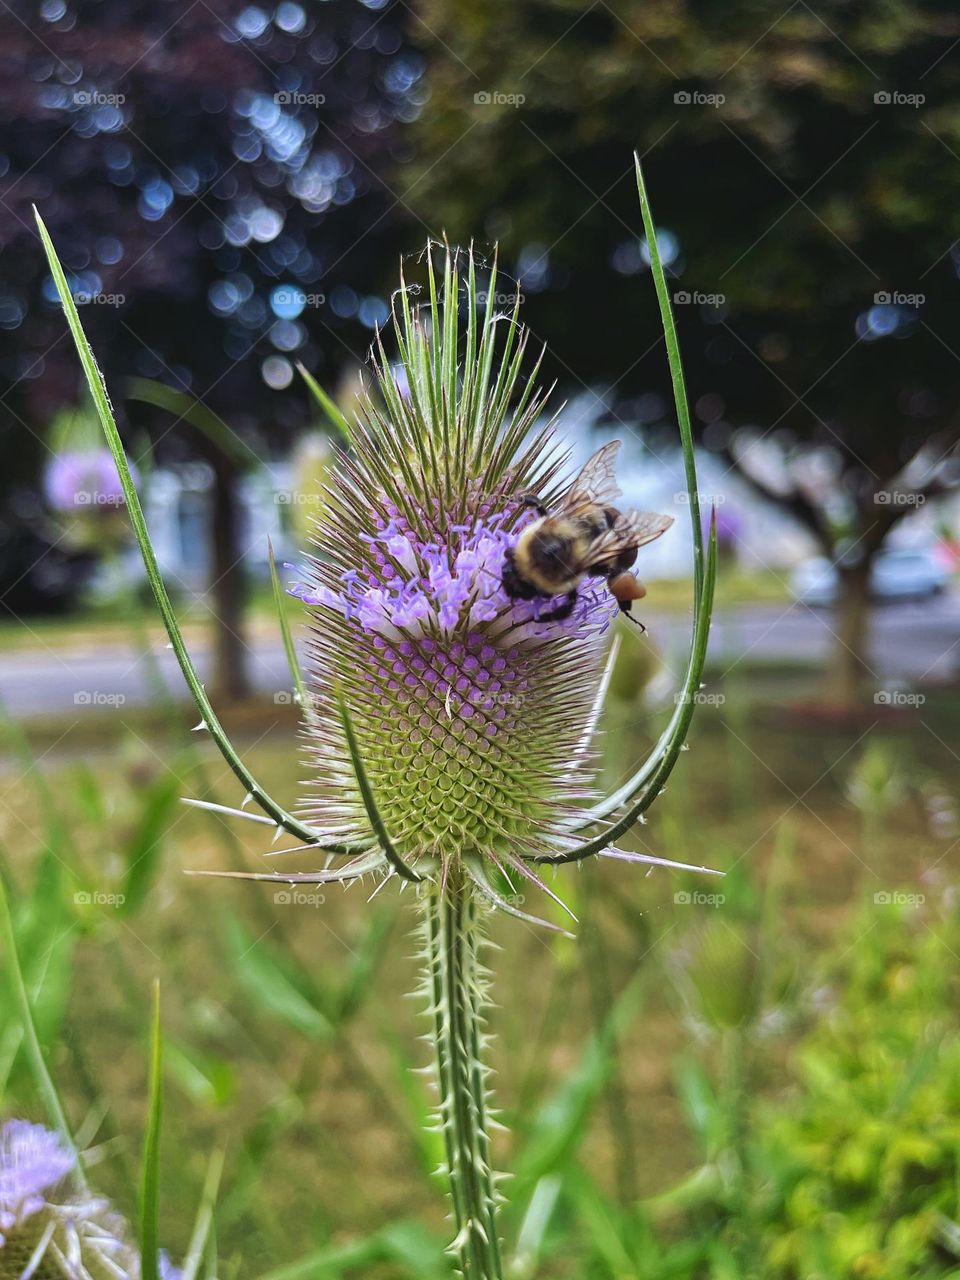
x: 632, y: 529
x: 638, y: 527
x: 596, y: 485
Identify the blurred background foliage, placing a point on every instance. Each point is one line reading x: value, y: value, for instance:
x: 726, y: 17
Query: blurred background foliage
x: 756, y: 1078
x: 800, y: 201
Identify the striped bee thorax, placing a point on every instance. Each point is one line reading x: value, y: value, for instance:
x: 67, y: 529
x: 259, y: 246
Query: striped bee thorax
x: 551, y: 555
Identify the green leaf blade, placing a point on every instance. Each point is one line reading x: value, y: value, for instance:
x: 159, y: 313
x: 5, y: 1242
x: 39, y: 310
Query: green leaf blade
x: 104, y: 408
x: 150, y: 1178
x: 42, y: 1077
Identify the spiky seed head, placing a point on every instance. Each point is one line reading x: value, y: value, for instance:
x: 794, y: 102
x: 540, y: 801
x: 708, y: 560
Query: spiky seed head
x: 467, y: 710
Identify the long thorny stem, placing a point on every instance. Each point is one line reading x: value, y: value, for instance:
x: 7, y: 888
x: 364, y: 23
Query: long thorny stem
x: 456, y: 988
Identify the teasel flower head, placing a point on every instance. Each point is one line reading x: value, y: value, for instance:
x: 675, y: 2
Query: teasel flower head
x: 452, y: 720
x: 466, y: 710
x: 51, y: 1228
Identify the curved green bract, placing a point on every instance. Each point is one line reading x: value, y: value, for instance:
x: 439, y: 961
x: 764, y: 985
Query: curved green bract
x: 676, y: 378
x: 475, y: 870
x: 187, y: 408
x: 289, y: 648
x: 348, y: 872
x: 679, y: 723
x: 329, y: 406
x: 680, y: 720
x: 660, y: 765
x: 369, y: 800
x: 98, y: 391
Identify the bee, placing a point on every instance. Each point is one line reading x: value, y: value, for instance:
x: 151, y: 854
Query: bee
x: 586, y: 536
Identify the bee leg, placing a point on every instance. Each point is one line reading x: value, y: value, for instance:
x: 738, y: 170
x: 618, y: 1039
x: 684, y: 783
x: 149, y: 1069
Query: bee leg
x: 562, y: 610
x: 531, y: 500
x: 625, y: 610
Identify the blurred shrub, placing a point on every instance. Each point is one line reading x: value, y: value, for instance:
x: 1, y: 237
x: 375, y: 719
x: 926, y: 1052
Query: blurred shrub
x: 863, y: 1159
x: 310, y: 465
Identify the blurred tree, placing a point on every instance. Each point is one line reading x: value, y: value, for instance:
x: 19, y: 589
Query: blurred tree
x: 805, y: 168
x: 210, y: 174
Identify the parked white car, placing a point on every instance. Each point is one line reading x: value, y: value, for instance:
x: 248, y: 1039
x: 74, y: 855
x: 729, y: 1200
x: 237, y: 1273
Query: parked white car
x: 901, y: 574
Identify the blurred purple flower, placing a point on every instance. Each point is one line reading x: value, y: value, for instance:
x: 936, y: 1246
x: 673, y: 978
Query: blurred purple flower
x: 729, y: 527
x: 167, y: 1269
x: 33, y: 1160
x: 75, y: 479
x: 49, y: 1225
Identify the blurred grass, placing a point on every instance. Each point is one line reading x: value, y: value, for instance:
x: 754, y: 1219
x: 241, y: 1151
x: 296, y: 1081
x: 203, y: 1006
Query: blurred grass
x: 288, y: 1039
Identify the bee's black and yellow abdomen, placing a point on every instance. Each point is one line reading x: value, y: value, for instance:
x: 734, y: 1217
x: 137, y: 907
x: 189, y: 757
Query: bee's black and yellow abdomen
x: 548, y: 558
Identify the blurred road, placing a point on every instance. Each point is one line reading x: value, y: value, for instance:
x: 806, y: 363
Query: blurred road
x: 916, y: 641
x: 911, y: 642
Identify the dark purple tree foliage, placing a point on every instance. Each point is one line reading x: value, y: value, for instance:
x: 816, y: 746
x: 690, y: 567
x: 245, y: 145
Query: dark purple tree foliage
x: 212, y: 176
x: 192, y: 160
